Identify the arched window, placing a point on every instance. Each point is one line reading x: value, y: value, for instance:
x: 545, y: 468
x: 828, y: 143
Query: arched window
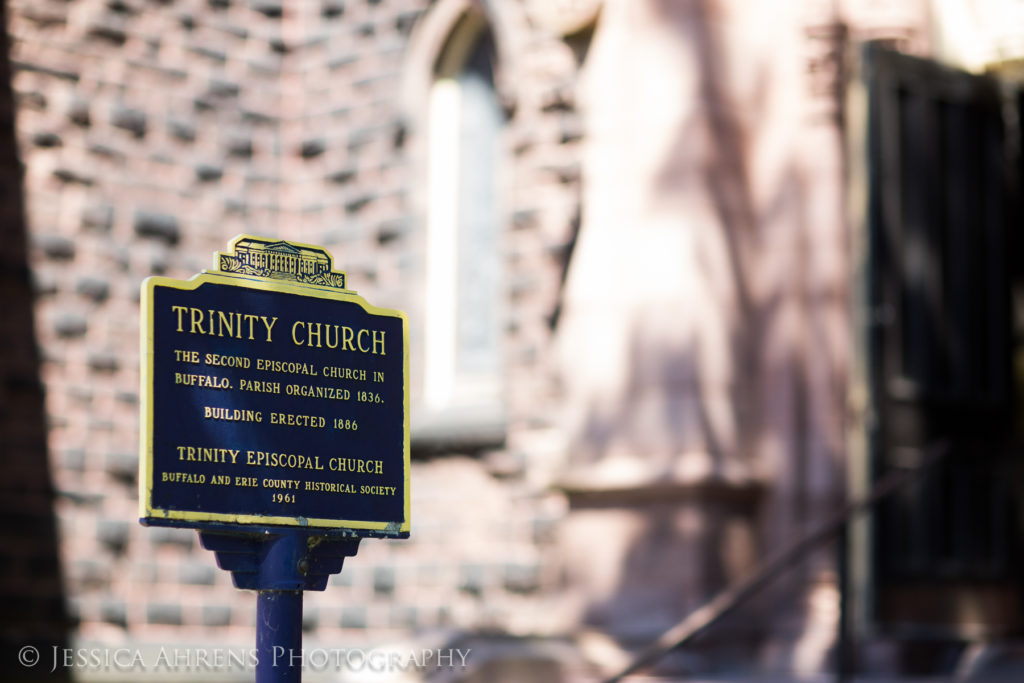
x: 464, y: 311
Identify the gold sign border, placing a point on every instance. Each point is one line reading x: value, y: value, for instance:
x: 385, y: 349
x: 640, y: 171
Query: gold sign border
x: 146, y: 469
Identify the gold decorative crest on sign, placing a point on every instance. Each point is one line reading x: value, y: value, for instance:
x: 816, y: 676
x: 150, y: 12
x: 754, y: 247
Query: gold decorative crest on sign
x: 280, y: 260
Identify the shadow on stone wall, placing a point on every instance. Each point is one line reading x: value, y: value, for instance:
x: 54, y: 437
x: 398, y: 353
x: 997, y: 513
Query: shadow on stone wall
x: 682, y: 553
x: 31, y: 592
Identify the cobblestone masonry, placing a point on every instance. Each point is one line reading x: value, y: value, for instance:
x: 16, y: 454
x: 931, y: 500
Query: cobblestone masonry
x: 155, y: 131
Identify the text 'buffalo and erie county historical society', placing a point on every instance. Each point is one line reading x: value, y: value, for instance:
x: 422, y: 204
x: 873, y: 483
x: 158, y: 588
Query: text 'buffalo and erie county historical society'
x: 272, y: 407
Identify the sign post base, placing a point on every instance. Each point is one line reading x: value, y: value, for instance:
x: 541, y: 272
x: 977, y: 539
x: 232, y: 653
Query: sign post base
x: 285, y: 560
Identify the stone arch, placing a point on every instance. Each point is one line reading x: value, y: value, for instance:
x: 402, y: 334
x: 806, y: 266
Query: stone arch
x: 458, y: 20
x: 440, y: 48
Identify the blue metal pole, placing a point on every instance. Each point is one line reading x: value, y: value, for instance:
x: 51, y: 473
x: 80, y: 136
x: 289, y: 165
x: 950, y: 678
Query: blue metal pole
x: 279, y: 567
x: 279, y: 636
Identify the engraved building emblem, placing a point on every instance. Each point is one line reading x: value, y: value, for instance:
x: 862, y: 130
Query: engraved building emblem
x: 280, y: 260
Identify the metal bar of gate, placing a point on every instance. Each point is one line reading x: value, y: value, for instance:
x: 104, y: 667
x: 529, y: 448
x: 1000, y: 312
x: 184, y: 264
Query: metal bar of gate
x: 728, y: 600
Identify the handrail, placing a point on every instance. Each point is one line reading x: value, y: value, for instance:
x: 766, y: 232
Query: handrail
x: 729, y: 599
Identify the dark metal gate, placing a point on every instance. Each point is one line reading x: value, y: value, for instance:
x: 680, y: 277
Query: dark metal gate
x: 942, y: 227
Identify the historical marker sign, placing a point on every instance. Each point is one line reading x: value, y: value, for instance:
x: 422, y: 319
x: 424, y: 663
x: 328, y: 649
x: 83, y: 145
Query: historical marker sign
x: 272, y: 396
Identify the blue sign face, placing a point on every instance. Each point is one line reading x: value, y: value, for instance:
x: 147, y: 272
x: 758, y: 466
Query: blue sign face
x: 273, y: 404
